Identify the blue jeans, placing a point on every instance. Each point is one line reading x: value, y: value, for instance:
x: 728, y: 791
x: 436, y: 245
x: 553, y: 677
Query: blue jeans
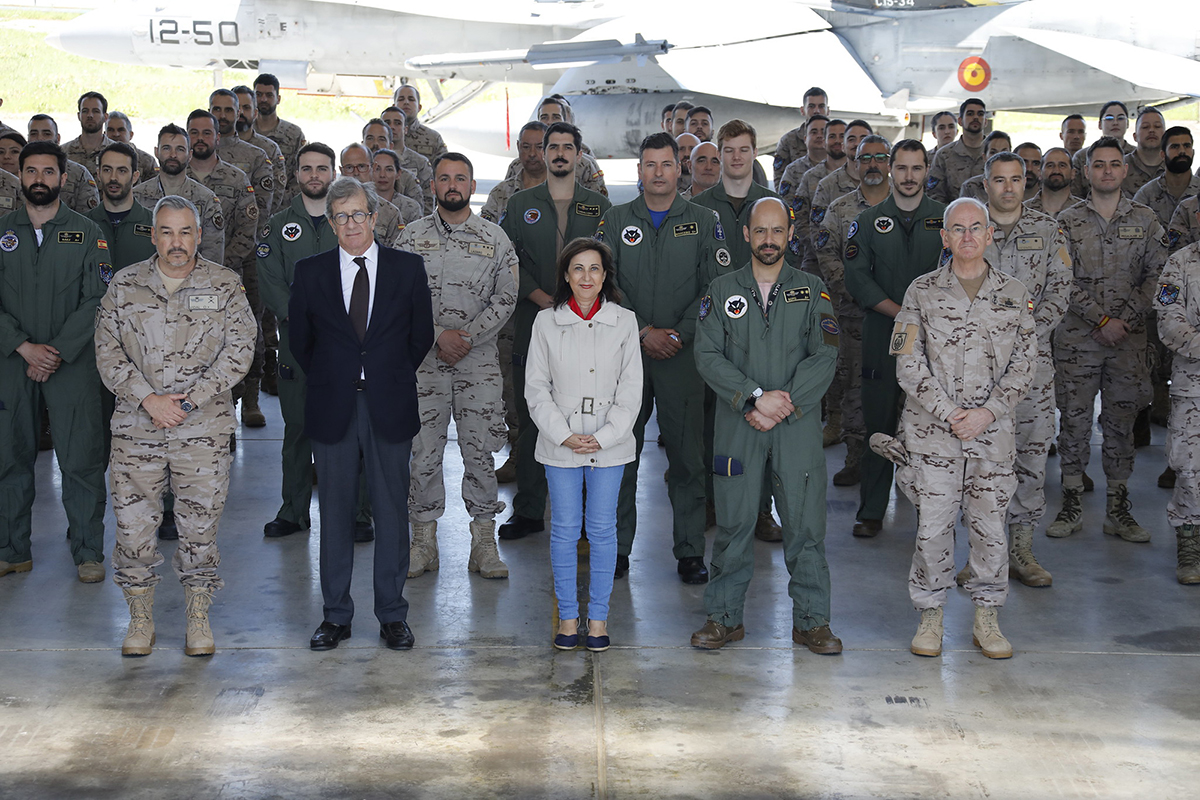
x: 566, y: 518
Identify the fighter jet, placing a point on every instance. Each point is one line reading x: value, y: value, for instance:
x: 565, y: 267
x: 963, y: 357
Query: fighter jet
x: 891, y: 62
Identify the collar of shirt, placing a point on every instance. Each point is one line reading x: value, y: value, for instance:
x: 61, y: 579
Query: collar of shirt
x: 349, y: 270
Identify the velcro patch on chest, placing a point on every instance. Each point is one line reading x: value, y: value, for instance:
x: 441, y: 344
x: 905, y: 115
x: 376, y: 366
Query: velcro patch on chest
x: 203, y: 302
x: 426, y: 245
x: 687, y: 229
x: 801, y: 294
x: 1131, y: 232
x: 143, y: 230
x: 1005, y: 303
x: 480, y: 249
x: 1030, y: 243
x: 933, y: 224
x: 585, y: 210
x: 6, y: 202
x: 70, y: 237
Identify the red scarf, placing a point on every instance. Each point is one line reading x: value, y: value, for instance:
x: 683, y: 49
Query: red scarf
x: 575, y: 307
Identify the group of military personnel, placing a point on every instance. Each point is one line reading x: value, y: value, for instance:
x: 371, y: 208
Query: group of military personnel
x: 762, y: 314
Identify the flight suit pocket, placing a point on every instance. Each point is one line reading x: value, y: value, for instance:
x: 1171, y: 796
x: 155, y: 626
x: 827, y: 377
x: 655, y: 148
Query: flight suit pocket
x: 726, y: 466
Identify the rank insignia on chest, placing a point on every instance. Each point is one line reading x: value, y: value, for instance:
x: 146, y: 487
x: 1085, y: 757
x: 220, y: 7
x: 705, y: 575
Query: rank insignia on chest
x: 1168, y: 294
x: 1004, y: 302
x: 532, y: 215
x: 291, y: 231
x: 723, y: 257
x: 202, y: 302
x: 585, y: 210
x: 735, y: 307
x: 705, y: 306
x: 631, y: 235
x: 1131, y: 232
x: 143, y: 230
x: 884, y: 224
x: 933, y: 224
x: 9, y: 241
x: 798, y: 295
x: 1030, y: 243
x: 485, y: 250
x: 687, y: 229
x: 70, y: 237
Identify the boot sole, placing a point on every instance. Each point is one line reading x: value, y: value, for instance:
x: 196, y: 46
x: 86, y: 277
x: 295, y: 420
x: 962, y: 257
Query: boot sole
x: 24, y: 566
x: 916, y: 651
x: 138, y: 652
x: 199, y: 651
x: 1190, y: 580
x: 491, y: 574
x: 990, y: 653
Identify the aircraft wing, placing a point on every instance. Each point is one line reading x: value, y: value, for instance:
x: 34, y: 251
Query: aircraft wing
x: 1139, y: 66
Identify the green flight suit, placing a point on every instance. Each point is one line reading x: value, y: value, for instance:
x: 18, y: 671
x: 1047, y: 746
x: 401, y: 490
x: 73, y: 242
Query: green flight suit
x: 49, y: 295
x: 732, y: 221
x: 791, y: 346
x: 129, y: 242
x: 884, y: 254
x: 531, y: 222
x: 662, y: 274
x: 288, y: 237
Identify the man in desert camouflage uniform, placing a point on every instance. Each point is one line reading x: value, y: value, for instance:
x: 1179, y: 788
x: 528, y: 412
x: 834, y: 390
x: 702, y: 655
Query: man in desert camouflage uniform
x: 1057, y: 174
x: 120, y: 129
x: 964, y: 158
x: 1145, y: 163
x: 975, y: 187
x: 472, y: 270
x: 410, y: 159
x: 174, y: 153
x: 1178, y: 304
x: 817, y: 129
x: 531, y: 152
x: 1031, y: 248
x: 286, y: 134
x: 1185, y: 224
x: 85, y: 149
x: 422, y: 138
x: 173, y: 335
x: 11, y: 143
x: 965, y: 356
x: 830, y: 238
x: 79, y: 191
x: 793, y: 144
x: 843, y: 164
x: 232, y: 187
x: 1113, y: 121
x: 1117, y: 249
x: 247, y: 114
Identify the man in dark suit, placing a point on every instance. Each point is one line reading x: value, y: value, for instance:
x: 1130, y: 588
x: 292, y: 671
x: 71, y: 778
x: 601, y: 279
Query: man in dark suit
x: 361, y: 321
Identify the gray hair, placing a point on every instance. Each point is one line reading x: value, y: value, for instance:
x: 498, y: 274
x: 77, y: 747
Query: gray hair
x: 177, y: 203
x: 874, y: 138
x: 967, y: 201
x: 121, y: 115
x: 346, y: 187
x: 1007, y: 157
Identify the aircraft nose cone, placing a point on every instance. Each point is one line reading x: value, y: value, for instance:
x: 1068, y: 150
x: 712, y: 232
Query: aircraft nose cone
x: 96, y: 34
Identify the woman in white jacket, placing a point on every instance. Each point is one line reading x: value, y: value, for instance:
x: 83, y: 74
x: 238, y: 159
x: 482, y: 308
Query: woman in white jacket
x: 583, y: 383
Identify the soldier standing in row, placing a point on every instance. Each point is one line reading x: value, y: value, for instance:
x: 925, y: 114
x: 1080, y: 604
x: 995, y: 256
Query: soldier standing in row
x: 79, y: 190
x: 120, y: 129
x: 174, y: 153
x: 1057, y: 174
x: 85, y: 148
x: 173, y: 335
x: 286, y: 134
x: 792, y: 145
x: 53, y: 270
x: 472, y: 271
x: 965, y: 350
x: 964, y: 158
x: 420, y: 137
x: 767, y: 345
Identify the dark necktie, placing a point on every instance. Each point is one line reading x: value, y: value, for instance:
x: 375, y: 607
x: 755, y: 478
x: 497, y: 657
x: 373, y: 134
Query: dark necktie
x: 359, y: 299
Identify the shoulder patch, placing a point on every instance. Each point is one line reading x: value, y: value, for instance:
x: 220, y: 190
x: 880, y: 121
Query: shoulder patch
x: 266, y: 230
x: 719, y: 232
x: 830, y: 329
x: 853, y: 229
x: 599, y: 234
x: 825, y: 296
x: 1173, y: 237
x: 218, y: 221
x: 818, y: 214
x: 1168, y: 294
x: 723, y: 257
x: 932, y: 182
x: 106, y: 272
x: 263, y: 250
x: 822, y: 239
x: 903, y: 337
x: 252, y: 211
x: 705, y: 306
x: 852, y: 250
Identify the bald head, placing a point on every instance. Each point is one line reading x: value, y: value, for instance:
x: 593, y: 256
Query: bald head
x: 706, y: 167
x: 768, y: 231
x: 687, y: 142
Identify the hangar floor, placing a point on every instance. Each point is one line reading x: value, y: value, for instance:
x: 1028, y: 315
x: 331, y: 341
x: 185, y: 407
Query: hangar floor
x: 1100, y: 699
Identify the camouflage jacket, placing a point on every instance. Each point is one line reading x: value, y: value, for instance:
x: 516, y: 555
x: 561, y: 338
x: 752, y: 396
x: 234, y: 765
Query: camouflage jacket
x: 10, y: 192
x: 389, y: 224
x: 1184, y: 228
x: 789, y: 183
x: 278, y: 164
x: 498, y: 197
x: 1036, y: 254
x: 212, y: 218
x: 198, y: 341
x: 1036, y: 203
x: 80, y: 192
x: 1139, y: 174
x: 418, y: 165
x: 472, y: 270
x: 290, y: 139
x: 834, y: 185
x: 829, y: 240
x: 258, y: 168
x: 951, y: 167
x: 425, y: 140
x: 954, y: 352
x: 791, y: 146
x: 1177, y: 302
x: 1155, y: 195
x: 236, y: 196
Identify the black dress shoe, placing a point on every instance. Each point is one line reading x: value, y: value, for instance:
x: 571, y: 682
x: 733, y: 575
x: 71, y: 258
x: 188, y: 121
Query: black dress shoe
x: 397, y: 635
x: 519, y: 527
x: 167, y: 529
x: 692, y: 570
x: 364, y: 532
x: 622, y: 567
x: 281, y: 527
x: 328, y: 635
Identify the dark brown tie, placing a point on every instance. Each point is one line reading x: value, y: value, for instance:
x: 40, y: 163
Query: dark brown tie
x: 359, y: 298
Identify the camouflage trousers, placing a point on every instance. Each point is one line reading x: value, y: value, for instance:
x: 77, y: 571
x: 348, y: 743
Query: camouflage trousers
x: 197, y: 471
x: 1035, y: 430
x: 1120, y: 374
x: 849, y: 375
x: 942, y: 488
x: 1183, y: 454
x: 471, y: 390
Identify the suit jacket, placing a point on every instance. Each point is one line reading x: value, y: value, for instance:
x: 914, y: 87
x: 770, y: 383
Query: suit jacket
x: 399, y: 334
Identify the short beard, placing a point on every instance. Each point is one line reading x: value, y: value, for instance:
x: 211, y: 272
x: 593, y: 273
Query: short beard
x: 454, y: 205
x: 40, y: 194
x: 1056, y: 182
x: 1179, y: 164
x: 320, y: 196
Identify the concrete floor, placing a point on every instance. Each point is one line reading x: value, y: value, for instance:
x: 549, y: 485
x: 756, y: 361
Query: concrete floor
x: 1100, y: 699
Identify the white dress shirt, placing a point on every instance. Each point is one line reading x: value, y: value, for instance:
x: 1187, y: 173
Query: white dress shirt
x: 350, y: 271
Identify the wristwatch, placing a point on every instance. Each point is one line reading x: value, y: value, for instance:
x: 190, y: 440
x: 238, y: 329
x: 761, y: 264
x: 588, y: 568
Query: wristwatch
x: 757, y: 393
x: 187, y: 406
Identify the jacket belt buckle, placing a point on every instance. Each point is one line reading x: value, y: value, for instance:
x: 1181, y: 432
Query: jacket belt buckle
x: 588, y: 406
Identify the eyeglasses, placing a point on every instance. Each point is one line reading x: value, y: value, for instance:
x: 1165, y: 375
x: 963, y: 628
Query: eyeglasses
x: 1115, y: 118
x: 356, y: 167
x: 341, y: 218
x: 878, y: 158
x: 976, y: 230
